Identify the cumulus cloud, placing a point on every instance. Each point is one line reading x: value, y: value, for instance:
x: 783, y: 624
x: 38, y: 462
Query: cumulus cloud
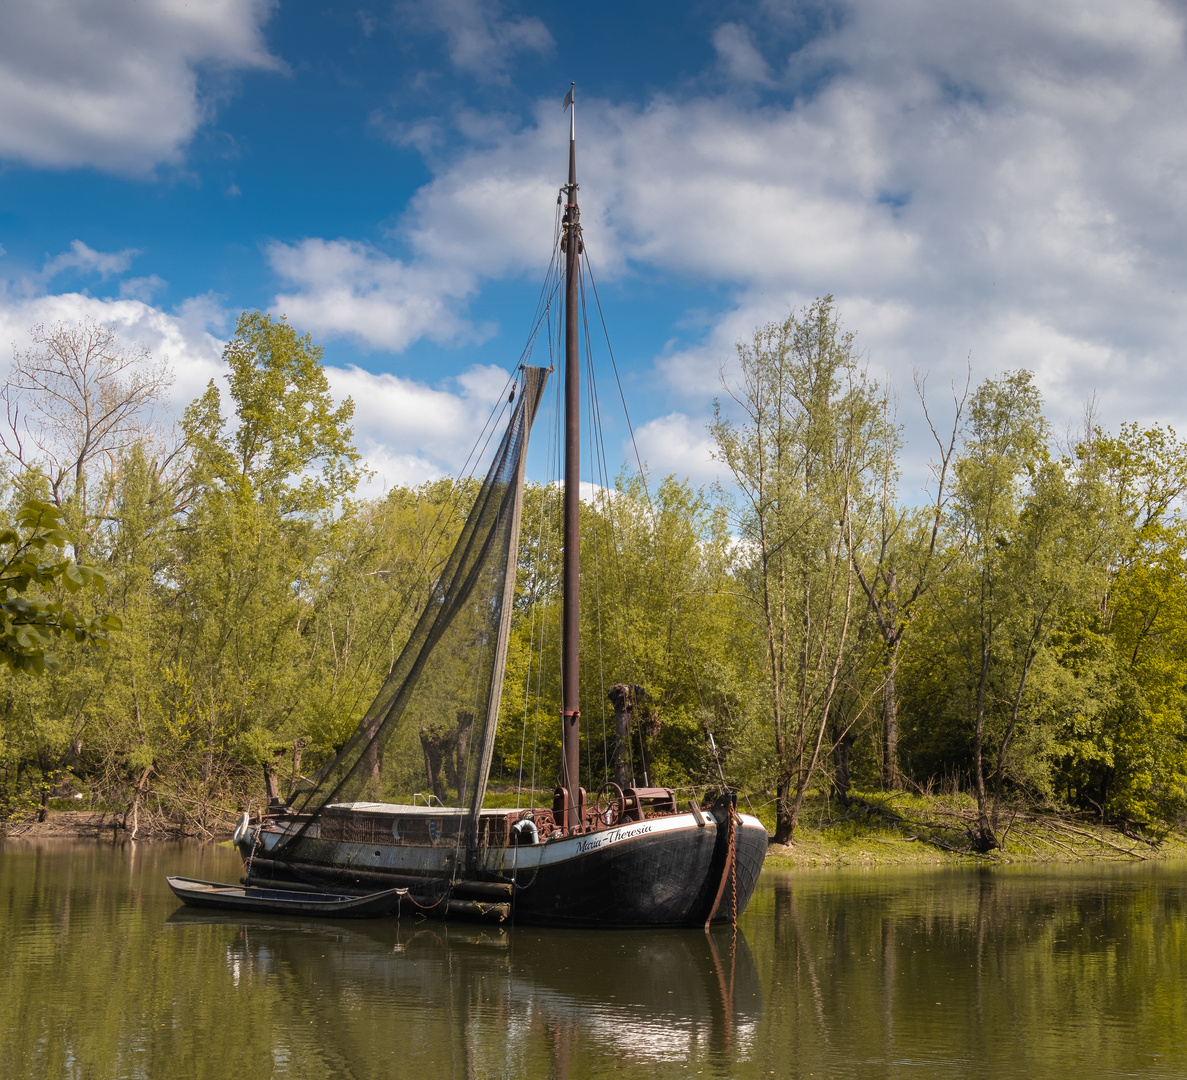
x: 342, y: 288
x: 481, y: 39
x: 678, y: 444
x: 116, y: 83
x: 737, y: 55
x: 1007, y: 181
x: 408, y: 431
x: 1003, y: 182
x: 184, y: 337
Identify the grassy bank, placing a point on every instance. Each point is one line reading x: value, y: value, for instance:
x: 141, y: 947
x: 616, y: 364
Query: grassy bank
x: 897, y: 829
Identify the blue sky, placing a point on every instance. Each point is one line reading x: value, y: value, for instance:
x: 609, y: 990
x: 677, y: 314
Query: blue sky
x: 1001, y: 185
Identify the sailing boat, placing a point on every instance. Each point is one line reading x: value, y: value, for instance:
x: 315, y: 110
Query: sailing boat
x: 631, y: 856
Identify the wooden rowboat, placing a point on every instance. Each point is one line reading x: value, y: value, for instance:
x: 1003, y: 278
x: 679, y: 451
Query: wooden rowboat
x: 213, y: 894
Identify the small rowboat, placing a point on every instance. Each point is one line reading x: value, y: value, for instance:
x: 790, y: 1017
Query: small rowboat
x: 212, y: 894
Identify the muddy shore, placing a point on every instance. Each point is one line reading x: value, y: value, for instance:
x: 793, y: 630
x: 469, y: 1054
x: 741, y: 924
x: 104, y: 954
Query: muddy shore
x: 86, y: 825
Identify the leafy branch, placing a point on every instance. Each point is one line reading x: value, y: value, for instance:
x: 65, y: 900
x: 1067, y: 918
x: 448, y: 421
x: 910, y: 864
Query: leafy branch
x: 32, y: 622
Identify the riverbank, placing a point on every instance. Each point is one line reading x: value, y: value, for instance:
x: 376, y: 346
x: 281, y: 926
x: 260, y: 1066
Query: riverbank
x: 86, y: 825
x: 875, y: 830
x: 901, y: 829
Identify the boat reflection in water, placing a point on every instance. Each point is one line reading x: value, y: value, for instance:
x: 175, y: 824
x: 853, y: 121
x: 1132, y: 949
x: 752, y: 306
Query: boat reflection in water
x: 497, y: 1002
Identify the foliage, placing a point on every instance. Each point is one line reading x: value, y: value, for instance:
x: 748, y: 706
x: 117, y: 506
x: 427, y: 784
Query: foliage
x: 806, y: 457
x: 32, y: 621
x: 1019, y: 640
x: 36, y: 580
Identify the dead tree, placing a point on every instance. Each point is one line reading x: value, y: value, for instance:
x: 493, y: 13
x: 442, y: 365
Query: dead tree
x: 76, y: 397
x: 445, y: 751
x: 624, y: 697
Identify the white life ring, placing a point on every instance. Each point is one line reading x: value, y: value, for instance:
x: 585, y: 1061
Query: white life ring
x: 240, y: 829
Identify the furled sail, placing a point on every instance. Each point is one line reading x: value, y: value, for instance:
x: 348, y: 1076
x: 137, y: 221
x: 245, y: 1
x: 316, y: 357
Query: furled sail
x: 432, y: 725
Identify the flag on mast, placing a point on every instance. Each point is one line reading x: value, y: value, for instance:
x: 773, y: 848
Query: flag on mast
x: 568, y: 97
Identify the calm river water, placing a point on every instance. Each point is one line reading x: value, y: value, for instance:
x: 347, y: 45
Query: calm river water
x: 936, y: 973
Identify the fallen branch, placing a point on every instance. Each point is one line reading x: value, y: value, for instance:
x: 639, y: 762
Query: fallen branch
x: 1100, y: 840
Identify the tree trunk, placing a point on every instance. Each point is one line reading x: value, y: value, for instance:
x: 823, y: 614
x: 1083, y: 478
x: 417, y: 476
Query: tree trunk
x: 890, y: 773
x: 784, y: 821
x: 623, y: 697
x: 465, y: 722
x: 648, y: 726
x: 842, y: 755
x: 982, y: 836
x: 271, y: 784
x: 433, y: 744
x: 138, y: 793
x: 842, y: 752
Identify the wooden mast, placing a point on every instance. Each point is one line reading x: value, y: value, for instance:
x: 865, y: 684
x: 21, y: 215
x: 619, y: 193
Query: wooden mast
x: 570, y: 643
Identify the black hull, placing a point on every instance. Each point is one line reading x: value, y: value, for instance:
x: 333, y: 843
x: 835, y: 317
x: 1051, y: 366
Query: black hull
x: 674, y: 879
x: 674, y: 874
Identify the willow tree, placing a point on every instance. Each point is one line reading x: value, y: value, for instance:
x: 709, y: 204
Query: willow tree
x: 1033, y: 534
x: 904, y: 558
x: 804, y: 434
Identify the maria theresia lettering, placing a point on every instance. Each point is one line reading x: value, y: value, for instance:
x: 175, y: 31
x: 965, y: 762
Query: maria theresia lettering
x: 595, y: 842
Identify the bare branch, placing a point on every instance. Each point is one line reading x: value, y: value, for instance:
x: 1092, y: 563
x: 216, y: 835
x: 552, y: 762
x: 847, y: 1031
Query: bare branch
x: 77, y: 396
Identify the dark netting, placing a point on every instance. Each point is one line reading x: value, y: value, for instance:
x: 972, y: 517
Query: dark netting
x: 431, y: 728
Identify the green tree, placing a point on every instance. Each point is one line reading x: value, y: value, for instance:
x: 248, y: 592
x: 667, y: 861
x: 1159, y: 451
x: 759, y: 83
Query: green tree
x: 807, y: 456
x: 36, y: 580
x: 1032, y: 534
x: 902, y: 558
x: 1130, y: 762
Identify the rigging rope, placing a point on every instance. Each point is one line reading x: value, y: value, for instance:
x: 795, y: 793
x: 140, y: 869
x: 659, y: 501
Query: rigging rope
x: 646, y: 492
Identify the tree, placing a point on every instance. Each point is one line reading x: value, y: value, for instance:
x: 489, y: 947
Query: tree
x: 34, y: 620
x: 659, y: 612
x: 1032, y: 535
x: 251, y: 558
x: 35, y: 578
x: 1128, y: 760
x: 807, y: 456
x: 77, y: 395
x: 899, y: 567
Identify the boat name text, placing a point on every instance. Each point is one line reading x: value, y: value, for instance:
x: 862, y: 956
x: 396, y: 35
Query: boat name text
x: 611, y: 837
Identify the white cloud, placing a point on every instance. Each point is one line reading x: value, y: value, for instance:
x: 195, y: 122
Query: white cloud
x: 142, y: 288
x: 86, y: 260
x: 347, y: 289
x: 183, y: 337
x: 737, y: 55
x: 677, y: 444
x: 116, y: 83
x: 1006, y: 181
x: 408, y: 431
x: 481, y: 40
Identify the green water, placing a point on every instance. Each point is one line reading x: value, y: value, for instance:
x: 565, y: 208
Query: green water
x: 965, y: 973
